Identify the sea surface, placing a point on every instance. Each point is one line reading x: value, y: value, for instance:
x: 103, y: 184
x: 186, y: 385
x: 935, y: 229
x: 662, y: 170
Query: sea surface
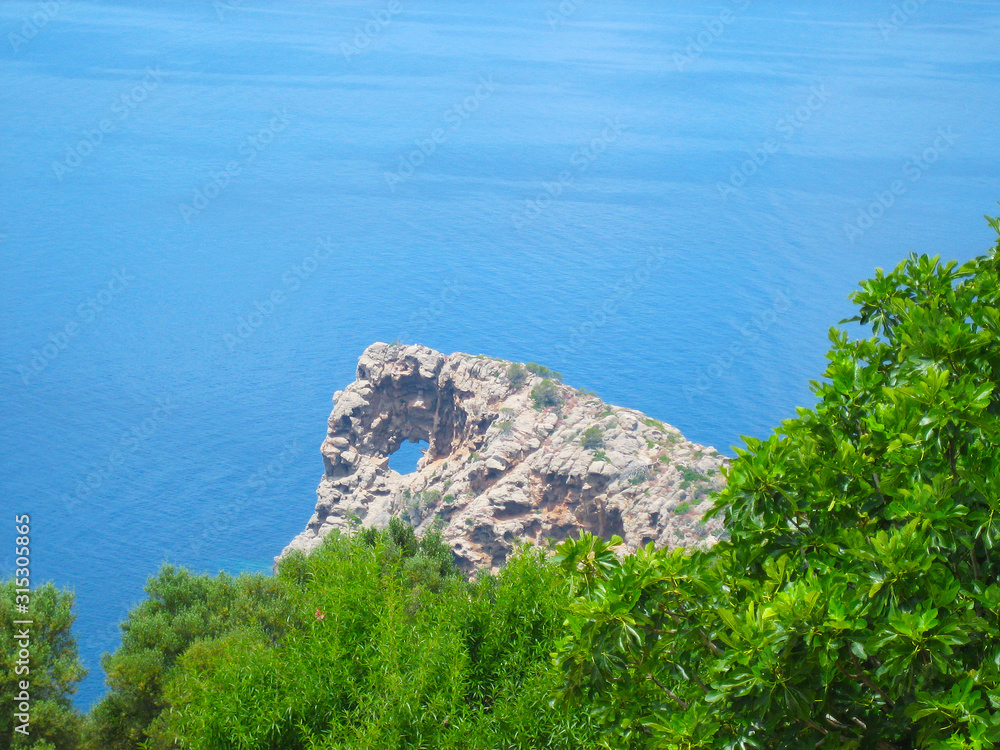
x: 209, y: 209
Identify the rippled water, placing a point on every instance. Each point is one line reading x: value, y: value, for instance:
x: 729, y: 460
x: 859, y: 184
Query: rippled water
x: 208, y: 210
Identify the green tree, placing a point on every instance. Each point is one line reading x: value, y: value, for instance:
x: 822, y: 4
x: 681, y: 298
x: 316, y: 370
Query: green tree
x: 395, y: 652
x: 542, y: 371
x: 516, y: 374
x: 545, y: 394
x: 592, y: 439
x: 855, y: 603
x: 54, y: 665
x: 183, y: 608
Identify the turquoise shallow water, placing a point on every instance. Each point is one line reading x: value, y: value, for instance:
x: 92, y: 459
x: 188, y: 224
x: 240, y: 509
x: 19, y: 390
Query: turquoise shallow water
x: 208, y: 210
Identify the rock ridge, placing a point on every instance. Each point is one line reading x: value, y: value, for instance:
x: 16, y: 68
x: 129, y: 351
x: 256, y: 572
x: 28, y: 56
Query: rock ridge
x: 512, y: 455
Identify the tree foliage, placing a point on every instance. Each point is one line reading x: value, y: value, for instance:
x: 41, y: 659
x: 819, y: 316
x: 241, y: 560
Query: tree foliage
x: 592, y: 439
x: 543, y: 372
x: 181, y: 610
x: 517, y: 374
x: 394, y: 652
x: 545, y: 394
x: 855, y: 603
x: 54, y: 665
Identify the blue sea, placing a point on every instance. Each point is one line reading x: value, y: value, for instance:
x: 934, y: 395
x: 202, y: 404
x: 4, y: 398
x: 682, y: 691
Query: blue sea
x: 208, y: 209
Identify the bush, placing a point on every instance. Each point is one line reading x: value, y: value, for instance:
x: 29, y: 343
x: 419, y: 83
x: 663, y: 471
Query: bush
x: 855, y: 603
x: 592, y: 438
x: 545, y: 394
x: 182, y: 608
x: 396, y: 651
x: 689, y: 476
x: 517, y: 375
x: 543, y: 372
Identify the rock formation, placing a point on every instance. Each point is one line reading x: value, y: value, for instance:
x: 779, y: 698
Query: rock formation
x: 512, y: 456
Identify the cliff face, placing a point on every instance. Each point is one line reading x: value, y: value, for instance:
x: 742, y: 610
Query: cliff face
x: 499, y: 467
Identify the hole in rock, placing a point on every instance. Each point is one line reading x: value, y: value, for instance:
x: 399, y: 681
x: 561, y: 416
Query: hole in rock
x: 404, y: 460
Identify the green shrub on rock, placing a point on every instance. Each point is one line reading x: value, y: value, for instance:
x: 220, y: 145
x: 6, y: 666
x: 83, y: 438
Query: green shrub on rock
x: 592, y: 439
x: 543, y: 372
x: 517, y: 375
x: 545, y: 394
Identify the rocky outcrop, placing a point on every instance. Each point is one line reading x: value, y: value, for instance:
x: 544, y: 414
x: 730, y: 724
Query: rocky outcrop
x: 512, y: 456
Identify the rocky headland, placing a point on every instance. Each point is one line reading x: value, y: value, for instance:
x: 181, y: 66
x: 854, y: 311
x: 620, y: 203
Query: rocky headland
x: 513, y: 454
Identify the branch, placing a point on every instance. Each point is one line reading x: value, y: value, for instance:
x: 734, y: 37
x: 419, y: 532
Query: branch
x: 864, y: 680
x: 715, y: 649
x: 878, y: 487
x: 669, y: 692
x: 953, y: 458
x: 700, y: 683
x: 810, y: 723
